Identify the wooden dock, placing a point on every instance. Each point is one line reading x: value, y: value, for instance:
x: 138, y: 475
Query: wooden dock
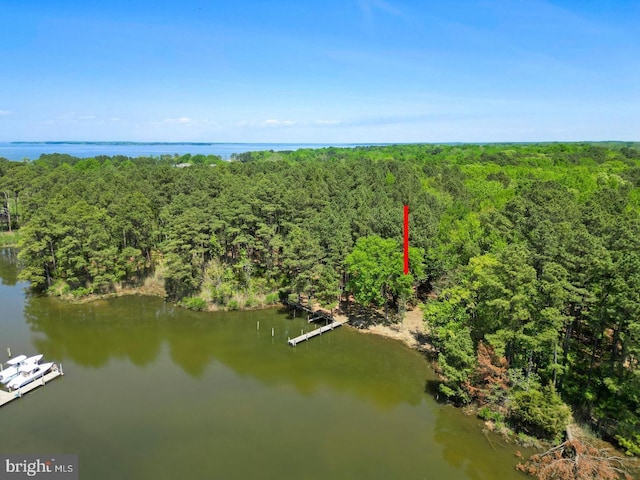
x: 312, y: 316
x: 6, y: 397
x: 318, y: 331
x: 298, y: 306
x: 320, y: 315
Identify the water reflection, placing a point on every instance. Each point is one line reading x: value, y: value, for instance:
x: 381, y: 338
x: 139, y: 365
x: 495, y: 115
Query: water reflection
x: 84, y: 334
x: 9, y: 266
x: 138, y: 329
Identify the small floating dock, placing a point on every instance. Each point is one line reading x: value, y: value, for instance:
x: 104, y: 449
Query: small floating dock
x: 320, y: 315
x: 318, y: 331
x: 299, y: 306
x: 6, y: 397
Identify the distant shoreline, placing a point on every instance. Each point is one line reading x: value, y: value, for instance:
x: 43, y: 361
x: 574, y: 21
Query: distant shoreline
x: 315, y: 144
x: 32, y: 150
x: 88, y: 142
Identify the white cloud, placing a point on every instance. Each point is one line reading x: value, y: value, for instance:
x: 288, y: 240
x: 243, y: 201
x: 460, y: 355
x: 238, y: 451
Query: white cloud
x: 179, y: 120
x: 327, y: 122
x: 75, y: 117
x: 278, y: 123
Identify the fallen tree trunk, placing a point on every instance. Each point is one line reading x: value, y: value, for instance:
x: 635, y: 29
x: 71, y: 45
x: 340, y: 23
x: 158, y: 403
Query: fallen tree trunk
x: 575, y: 460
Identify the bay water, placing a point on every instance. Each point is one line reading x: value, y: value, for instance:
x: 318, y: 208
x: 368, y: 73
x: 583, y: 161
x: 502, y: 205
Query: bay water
x: 152, y: 391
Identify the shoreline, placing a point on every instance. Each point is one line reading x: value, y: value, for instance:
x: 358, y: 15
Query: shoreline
x: 150, y: 287
x: 411, y: 332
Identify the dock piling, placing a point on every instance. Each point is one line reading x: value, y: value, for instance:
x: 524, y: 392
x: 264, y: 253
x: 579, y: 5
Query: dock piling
x: 9, y: 351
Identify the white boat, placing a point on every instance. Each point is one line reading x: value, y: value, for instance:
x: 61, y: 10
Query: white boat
x: 29, y: 375
x: 16, y: 360
x: 34, y: 359
x: 12, y: 362
x: 8, y: 373
x: 29, y: 362
x: 16, y: 366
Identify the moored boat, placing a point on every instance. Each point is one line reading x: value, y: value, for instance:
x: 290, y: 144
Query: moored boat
x: 34, y: 359
x: 17, y: 364
x: 9, y: 370
x: 29, y: 374
x: 16, y: 360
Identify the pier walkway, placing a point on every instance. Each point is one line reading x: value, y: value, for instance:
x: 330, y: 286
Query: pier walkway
x: 318, y: 331
x: 6, y: 397
x: 313, y: 316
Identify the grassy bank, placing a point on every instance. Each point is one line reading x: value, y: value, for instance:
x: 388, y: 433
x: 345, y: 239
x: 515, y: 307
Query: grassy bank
x: 9, y: 239
x: 155, y: 285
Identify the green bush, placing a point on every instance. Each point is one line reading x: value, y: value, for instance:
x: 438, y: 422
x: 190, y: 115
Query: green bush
x: 272, y: 298
x: 630, y: 445
x: 221, y: 294
x: 233, y: 305
x: 194, y: 303
x: 485, y: 413
x: 456, y: 361
x: 627, y: 423
x: 59, y: 288
x: 81, y: 292
x: 9, y: 239
x: 250, y: 302
x: 541, y: 413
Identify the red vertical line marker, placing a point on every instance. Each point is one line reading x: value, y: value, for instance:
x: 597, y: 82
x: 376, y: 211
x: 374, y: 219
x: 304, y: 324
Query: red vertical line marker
x: 406, y: 239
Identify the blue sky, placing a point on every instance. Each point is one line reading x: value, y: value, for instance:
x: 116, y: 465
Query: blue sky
x: 320, y: 71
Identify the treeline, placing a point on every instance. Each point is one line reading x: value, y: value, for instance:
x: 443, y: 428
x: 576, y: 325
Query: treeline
x: 527, y: 256
x: 224, y: 232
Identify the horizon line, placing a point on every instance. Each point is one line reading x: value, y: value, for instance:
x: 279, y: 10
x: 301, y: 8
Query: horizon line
x: 457, y: 142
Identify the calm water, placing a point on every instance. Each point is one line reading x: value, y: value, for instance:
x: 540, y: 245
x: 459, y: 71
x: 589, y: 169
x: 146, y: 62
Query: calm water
x: 156, y: 392
x: 32, y: 151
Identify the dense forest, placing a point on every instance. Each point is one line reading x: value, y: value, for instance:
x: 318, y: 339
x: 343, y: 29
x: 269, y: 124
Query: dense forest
x: 526, y: 256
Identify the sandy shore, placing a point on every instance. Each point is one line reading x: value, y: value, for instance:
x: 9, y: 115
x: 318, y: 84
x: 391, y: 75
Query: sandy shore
x: 411, y: 330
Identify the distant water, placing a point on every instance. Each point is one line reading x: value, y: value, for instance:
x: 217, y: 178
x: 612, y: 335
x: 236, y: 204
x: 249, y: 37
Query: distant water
x: 33, y: 150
